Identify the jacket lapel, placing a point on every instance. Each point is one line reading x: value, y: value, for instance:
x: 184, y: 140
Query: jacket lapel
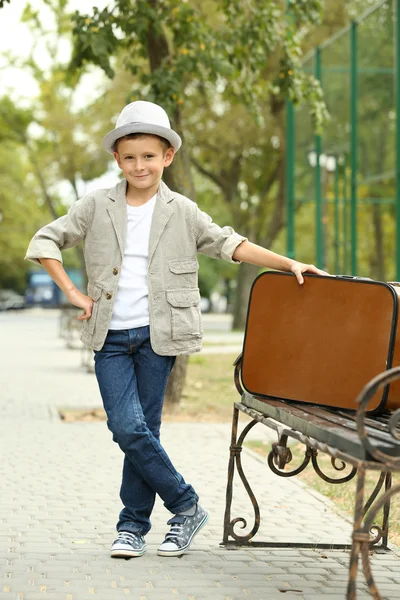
x: 117, y: 212
x: 162, y: 214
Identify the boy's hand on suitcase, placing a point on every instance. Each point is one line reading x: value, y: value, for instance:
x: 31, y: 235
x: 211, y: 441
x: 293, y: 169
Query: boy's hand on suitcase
x: 299, y: 268
x: 81, y: 301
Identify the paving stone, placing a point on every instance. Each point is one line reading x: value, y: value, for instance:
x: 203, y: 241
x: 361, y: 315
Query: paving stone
x: 239, y: 557
x: 332, y: 596
x: 314, y: 577
x: 62, y: 480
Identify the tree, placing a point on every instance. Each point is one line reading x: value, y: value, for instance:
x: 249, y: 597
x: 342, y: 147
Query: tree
x: 18, y: 215
x: 59, y: 136
x: 176, y: 48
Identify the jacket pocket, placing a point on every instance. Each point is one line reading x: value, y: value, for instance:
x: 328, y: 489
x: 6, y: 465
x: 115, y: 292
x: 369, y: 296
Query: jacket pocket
x: 185, y: 313
x: 94, y: 291
x: 183, y: 266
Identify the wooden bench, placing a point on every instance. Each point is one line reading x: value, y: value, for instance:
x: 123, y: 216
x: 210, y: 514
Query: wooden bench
x: 356, y: 439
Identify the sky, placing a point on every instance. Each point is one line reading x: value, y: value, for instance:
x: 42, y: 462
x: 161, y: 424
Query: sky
x: 15, y: 37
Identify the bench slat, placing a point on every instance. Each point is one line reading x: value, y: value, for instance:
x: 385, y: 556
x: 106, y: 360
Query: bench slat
x: 317, y: 423
x: 375, y: 430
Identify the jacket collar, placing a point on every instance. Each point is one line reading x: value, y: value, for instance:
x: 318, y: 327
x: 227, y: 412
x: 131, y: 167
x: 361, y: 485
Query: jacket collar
x: 161, y: 215
x: 118, y: 193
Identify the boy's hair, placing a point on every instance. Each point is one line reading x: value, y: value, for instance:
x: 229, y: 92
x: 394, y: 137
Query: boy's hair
x: 131, y: 136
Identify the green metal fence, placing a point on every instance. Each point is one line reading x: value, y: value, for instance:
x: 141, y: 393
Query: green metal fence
x: 343, y: 187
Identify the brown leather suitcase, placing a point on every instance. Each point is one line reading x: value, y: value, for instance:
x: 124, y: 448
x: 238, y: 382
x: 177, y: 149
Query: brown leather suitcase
x: 320, y: 342
x: 393, y: 399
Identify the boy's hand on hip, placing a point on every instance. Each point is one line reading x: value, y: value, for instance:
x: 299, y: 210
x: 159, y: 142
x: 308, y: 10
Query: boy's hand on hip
x: 298, y: 268
x: 81, y: 301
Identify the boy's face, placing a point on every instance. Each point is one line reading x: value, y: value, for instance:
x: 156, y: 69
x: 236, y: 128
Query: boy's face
x: 142, y: 161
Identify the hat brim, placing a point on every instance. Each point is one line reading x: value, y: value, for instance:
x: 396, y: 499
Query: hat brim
x: 169, y: 134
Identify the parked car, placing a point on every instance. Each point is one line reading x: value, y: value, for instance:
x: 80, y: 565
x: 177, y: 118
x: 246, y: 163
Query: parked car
x: 11, y: 300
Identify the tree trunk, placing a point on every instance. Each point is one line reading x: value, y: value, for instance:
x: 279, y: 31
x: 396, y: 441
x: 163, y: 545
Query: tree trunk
x: 178, y: 177
x: 247, y: 274
x: 176, y: 381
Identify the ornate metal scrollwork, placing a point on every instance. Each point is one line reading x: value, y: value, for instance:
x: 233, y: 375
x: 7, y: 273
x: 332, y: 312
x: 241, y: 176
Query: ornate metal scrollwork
x: 394, y: 423
x: 363, y: 537
x: 363, y: 399
x: 374, y: 494
x: 238, y: 366
x: 281, y: 455
x: 366, y: 533
x: 341, y: 467
x: 236, y: 450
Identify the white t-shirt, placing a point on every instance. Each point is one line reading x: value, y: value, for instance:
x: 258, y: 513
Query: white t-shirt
x: 131, y: 306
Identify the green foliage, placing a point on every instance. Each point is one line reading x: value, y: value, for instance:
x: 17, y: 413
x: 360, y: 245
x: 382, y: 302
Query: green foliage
x: 221, y: 70
x: 52, y: 144
x: 208, y: 275
x: 185, y: 48
x: 14, y: 121
x: 2, y: 2
x: 305, y: 11
x: 59, y: 133
x: 19, y: 215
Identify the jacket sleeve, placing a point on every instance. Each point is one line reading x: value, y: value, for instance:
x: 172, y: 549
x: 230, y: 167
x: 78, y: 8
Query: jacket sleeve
x: 213, y: 240
x: 63, y: 233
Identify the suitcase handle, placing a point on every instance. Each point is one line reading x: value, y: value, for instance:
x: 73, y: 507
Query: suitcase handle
x: 353, y: 277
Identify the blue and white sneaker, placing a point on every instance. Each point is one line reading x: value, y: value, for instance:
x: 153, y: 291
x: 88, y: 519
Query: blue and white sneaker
x: 128, y: 545
x: 183, y: 529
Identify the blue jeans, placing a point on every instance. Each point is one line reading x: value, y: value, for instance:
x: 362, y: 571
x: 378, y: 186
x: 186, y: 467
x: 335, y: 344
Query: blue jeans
x: 132, y: 379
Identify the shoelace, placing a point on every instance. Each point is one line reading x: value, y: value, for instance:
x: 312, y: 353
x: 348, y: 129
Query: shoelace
x: 175, y: 534
x: 127, y: 536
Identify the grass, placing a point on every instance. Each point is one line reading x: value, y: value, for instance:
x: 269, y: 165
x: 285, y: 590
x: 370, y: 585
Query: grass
x: 209, y: 392
x: 208, y: 395
x: 342, y: 495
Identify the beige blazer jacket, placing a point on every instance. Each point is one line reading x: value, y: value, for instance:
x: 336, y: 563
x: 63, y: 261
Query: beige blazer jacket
x: 179, y: 230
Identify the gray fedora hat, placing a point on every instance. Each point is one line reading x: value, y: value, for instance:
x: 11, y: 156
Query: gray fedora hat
x: 142, y: 117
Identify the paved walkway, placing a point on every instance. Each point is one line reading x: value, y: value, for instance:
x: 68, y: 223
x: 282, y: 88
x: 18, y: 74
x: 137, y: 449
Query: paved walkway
x: 59, y: 499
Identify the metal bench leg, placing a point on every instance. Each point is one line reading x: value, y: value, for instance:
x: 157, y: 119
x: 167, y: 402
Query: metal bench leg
x: 364, y: 526
x: 357, y: 532
x: 231, y: 471
x: 383, y: 502
x: 386, y: 512
x: 234, y: 459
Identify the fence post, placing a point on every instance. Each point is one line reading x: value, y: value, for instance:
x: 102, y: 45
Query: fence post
x: 290, y: 166
x: 318, y: 190
x: 290, y: 163
x: 397, y: 93
x: 353, y: 144
x: 345, y: 218
x: 337, y: 215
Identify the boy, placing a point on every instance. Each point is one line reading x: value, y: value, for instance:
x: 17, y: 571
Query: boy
x: 143, y: 309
